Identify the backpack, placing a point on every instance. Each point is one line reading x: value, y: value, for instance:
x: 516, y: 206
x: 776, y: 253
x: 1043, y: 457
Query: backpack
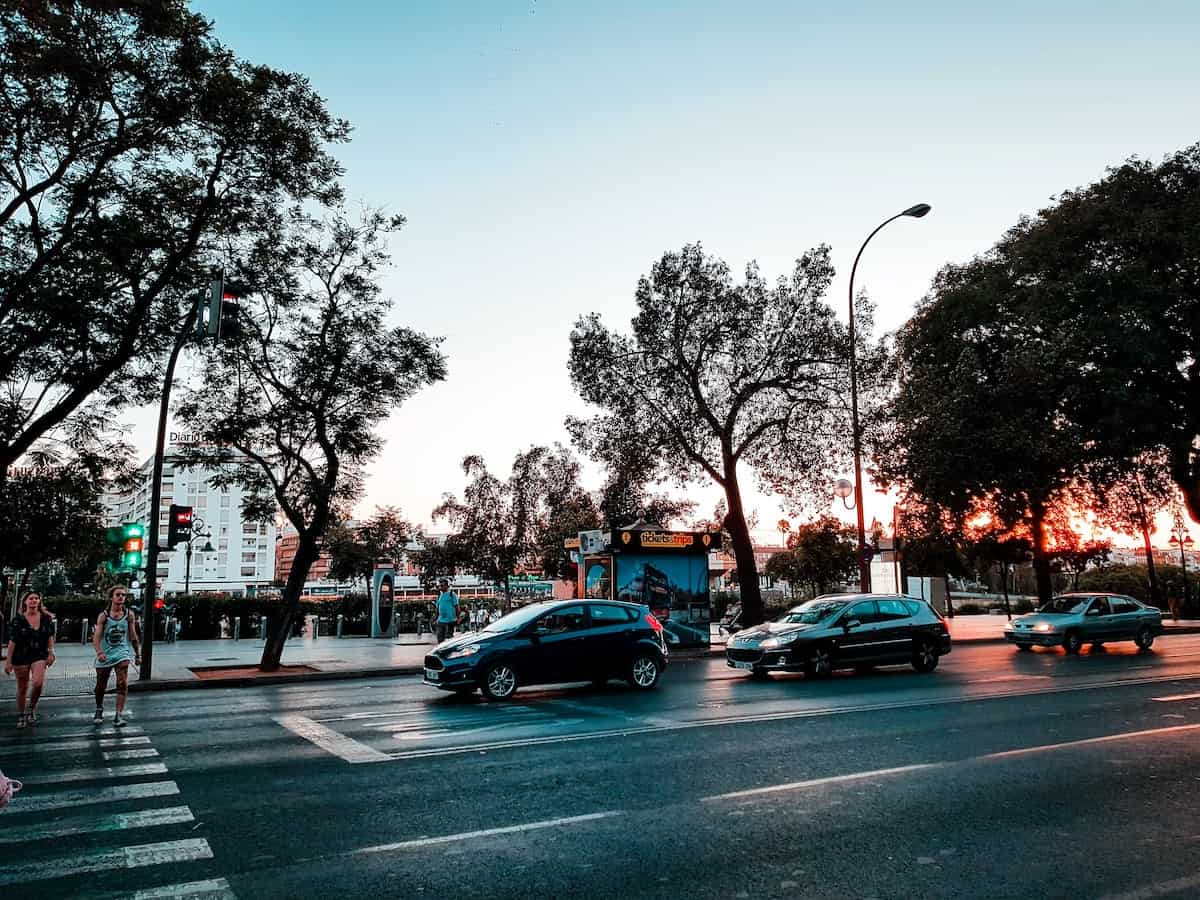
x: 8, y: 787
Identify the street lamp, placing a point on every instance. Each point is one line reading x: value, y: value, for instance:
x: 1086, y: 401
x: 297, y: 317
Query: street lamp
x: 864, y: 565
x: 207, y: 548
x: 1180, y: 536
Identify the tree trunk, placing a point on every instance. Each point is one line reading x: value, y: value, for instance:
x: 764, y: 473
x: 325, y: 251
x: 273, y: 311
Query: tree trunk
x: 1041, y: 562
x: 277, y: 635
x: 743, y: 548
x: 1151, y: 573
x: 1004, y: 587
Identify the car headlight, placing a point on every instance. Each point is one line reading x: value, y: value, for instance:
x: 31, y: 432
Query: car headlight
x: 773, y: 643
x: 1043, y: 626
x: 460, y: 652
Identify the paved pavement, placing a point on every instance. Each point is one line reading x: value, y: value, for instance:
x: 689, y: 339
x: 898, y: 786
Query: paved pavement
x: 1000, y: 775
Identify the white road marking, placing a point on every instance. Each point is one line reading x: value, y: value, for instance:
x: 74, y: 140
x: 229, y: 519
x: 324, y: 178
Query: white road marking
x: 25, y: 803
x: 93, y: 732
x: 331, y: 741
x: 614, y: 713
x: 136, y: 753
x: 1161, y: 889
x: 169, y: 815
x: 133, y: 857
x: 79, y: 745
x: 96, y: 774
x: 1174, y: 697
x: 488, y: 832
x: 212, y: 889
x: 821, y: 782
x: 1108, y: 738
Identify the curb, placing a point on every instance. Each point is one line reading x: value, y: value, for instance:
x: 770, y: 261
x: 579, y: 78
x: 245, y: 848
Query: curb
x: 184, y: 684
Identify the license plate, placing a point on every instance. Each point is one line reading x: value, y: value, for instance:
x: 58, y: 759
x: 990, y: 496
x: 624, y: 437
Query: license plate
x: 432, y: 675
x: 742, y: 665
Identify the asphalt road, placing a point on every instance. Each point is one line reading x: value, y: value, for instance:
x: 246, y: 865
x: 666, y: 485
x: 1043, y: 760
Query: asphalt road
x: 999, y: 775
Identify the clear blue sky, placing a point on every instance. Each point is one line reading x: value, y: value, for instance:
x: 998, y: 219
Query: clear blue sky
x: 545, y: 153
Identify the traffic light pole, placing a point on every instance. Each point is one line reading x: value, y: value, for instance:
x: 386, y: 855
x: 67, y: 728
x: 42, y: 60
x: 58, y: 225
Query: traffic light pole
x: 146, y: 672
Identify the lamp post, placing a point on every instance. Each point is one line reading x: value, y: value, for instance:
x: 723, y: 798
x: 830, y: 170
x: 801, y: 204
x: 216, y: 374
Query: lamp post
x: 207, y: 548
x: 1180, y: 536
x: 864, y: 564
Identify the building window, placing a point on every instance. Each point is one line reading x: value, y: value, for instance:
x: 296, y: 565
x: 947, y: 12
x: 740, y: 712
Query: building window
x: 249, y: 528
x: 224, y: 500
x: 249, y: 557
x: 249, y: 571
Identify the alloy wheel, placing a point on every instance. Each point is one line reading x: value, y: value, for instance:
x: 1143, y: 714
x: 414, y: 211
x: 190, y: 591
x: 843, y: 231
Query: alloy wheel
x: 821, y: 662
x: 501, y: 681
x: 645, y: 671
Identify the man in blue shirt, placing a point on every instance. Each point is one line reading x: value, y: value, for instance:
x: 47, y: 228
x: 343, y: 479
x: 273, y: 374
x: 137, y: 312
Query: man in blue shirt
x: 447, y: 610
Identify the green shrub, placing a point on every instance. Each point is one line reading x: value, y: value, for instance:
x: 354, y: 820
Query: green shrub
x: 970, y: 609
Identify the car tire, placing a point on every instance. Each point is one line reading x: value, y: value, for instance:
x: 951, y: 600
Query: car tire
x: 1144, y: 638
x: 819, y: 663
x: 1072, y: 642
x: 925, y: 656
x: 1025, y: 648
x: 499, y: 682
x: 644, y: 671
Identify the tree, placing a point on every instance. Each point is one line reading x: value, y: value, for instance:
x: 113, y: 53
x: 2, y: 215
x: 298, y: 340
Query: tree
x: 631, y: 469
x: 1114, y: 269
x: 354, y: 550
x: 1128, y: 499
x: 567, y: 509
x: 929, y: 541
x: 290, y: 410
x: 1075, y: 556
x: 46, y: 514
x: 993, y: 545
x: 977, y: 426
x: 717, y: 378
x: 132, y: 143
x: 820, y: 556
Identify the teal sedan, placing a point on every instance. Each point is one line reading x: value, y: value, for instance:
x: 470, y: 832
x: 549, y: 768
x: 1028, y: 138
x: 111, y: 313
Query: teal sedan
x: 1072, y: 620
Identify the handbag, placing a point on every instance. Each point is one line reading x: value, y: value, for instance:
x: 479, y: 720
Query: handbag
x: 8, y: 787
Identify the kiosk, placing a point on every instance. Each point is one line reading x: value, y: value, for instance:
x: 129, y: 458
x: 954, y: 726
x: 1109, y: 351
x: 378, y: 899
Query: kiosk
x: 664, y: 570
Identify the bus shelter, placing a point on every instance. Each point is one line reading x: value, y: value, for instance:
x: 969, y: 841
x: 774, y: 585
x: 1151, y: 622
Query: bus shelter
x: 664, y: 570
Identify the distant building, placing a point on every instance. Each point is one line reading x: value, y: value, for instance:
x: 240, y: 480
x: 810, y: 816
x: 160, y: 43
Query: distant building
x: 242, y: 561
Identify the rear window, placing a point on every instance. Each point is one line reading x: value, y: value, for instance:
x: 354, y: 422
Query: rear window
x: 893, y: 609
x: 914, y: 607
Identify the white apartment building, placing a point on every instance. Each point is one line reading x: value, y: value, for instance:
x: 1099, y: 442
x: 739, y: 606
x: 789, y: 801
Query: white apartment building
x: 242, y: 560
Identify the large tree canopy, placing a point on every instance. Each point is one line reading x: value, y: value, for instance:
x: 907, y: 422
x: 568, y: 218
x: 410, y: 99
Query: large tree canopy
x: 720, y: 378
x: 291, y: 410
x: 132, y: 145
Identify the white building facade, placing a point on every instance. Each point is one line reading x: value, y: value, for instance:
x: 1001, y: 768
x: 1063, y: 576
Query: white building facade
x: 242, y: 561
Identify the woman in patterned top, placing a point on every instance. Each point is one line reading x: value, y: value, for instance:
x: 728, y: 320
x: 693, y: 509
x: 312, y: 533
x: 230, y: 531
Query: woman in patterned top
x: 117, y: 645
x: 30, y: 651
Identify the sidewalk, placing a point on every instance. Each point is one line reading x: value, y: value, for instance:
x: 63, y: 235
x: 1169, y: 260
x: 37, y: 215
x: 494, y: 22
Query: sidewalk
x: 176, y: 665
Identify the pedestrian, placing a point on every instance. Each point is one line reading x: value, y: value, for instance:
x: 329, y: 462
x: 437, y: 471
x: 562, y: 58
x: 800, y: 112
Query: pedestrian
x: 30, y: 653
x: 447, y: 611
x: 117, y: 644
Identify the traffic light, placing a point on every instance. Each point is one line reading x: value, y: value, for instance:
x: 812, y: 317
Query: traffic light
x: 218, y: 314
x: 160, y: 603
x: 126, y: 545
x: 134, y: 544
x: 179, y: 525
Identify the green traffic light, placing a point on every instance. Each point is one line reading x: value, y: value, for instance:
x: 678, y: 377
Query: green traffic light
x: 132, y: 560
x: 134, y: 529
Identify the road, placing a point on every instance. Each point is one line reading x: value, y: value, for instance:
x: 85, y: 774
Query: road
x: 999, y: 775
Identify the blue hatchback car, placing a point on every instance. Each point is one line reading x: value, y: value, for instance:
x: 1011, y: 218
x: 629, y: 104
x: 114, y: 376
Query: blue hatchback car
x: 553, y: 642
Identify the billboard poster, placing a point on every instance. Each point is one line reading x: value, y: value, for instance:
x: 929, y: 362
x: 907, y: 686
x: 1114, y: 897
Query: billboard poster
x: 596, y: 573
x: 674, y: 586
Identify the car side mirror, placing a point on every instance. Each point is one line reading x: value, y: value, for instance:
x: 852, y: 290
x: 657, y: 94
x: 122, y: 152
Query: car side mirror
x: 851, y: 623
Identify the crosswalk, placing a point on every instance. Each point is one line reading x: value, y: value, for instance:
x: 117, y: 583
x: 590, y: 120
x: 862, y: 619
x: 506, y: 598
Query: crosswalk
x: 99, y: 808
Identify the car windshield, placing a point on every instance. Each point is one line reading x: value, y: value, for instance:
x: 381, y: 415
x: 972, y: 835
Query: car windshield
x: 1064, y: 605
x: 811, y: 613
x: 517, y: 618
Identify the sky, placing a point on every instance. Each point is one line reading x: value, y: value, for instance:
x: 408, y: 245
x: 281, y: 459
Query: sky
x: 546, y: 153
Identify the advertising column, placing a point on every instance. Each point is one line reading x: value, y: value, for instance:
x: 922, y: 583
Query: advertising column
x: 382, y: 599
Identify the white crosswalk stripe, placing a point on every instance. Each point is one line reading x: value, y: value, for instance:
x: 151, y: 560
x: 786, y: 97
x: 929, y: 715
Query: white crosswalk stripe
x: 45, y: 821
x: 132, y: 857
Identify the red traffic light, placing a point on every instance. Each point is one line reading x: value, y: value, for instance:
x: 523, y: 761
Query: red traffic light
x: 183, y: 515
x: 159, y: 604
